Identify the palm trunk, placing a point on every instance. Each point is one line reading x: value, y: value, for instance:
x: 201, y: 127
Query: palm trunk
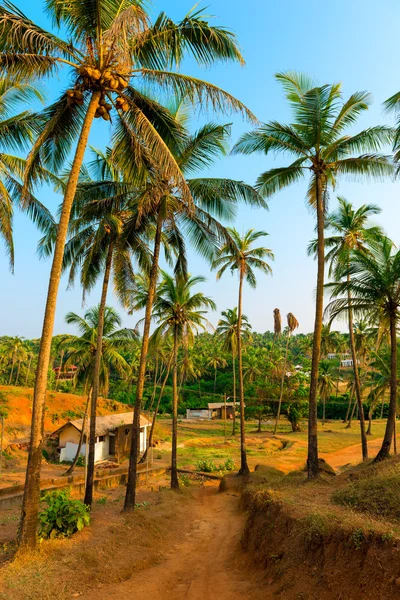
x: 60, y: 370
x: 371, y: 409
x: 348, y: 407
x: 353, y: 410
x: 244, y: 468
x: 71, y: 469
x: 357, y: 385
x: 96, y: 379
x: 18, y: 370
x: 174, y: 472
x: 153, y: 394
x: 323, y: 409
x: 29, y: 370
x: 130, y: 496
x: 282, y: 382
x: 215, y: 379
x: 153, y: 423
x: 312, y: 456
x: 12, y: 369
x: 30, y: 505
x: 234, y: 392
x: 390, y: 423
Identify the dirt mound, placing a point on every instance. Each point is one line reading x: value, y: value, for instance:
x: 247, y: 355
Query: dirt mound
x: 312, y: 555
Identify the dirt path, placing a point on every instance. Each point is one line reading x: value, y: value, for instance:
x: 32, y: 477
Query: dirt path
x: 351, y: 455
x: 205, y: 565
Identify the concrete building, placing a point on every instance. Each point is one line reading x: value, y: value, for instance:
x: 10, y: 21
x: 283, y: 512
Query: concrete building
x: 113, y: 435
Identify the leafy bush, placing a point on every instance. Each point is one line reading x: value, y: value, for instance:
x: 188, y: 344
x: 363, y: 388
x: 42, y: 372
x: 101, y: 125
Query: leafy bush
x: 184, y: 480
x: 62, y: 516
x: 206, y: 466
x: 229, y: 465
x: 81, y: 461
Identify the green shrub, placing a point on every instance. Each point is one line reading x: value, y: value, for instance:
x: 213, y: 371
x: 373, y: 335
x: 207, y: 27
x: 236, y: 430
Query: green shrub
x: 206, y: 466
x: 62, y: 516
x: 229, y: 465
x: 81, y: 461
x: 184, y: 480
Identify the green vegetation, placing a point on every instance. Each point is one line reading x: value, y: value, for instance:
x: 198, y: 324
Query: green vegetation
x: 62, y: 516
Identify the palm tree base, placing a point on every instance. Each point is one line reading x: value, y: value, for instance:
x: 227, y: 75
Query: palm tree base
x: 383, y: 453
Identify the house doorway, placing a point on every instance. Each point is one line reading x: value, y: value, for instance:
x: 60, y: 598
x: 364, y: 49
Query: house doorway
x: 112, y: 445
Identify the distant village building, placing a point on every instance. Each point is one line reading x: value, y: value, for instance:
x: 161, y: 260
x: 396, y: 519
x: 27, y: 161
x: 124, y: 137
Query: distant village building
x: 66, y: 374
x: 113, y: 435
x: 331, y: 356
x: 214, y: 410
x: 348, y: 362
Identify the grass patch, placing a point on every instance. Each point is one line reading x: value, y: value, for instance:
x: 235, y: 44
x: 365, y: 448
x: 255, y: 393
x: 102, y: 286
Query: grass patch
x: 377, y: 496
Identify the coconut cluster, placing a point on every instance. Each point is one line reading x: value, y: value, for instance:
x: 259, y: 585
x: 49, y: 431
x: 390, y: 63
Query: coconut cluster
x: 108, y: 81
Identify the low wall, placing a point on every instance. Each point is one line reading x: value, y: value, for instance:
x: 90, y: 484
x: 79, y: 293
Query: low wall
x: 12, y: 496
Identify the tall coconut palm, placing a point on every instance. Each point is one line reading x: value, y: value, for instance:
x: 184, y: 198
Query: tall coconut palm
x: 240, y: 256
x: 111, y: 49
x: 198, y: 222
x: 372, y: 280
x: 292, y: 324
x: 98, y: 247
x: 227, y: 329
x: 325, y: 384
x: 81, y: 351
x: 320, y: 145
x: 351, y: 230
x: 179, y: 312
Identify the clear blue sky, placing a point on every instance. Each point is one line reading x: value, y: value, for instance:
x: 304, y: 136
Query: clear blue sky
x: 353, y: 42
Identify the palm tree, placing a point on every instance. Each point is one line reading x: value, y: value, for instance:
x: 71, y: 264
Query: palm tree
x: 98, y: 246
x: 179, y: 312
x: 227, y: 329
x: 112, y: 49
x: 81, y: 351
x: 241, y: 256
x: 198, y: 221
x: 292, y: 324
x: 328, y: 340
x: 351, y: 231
x: 318, y: 141
x: 325, y: 384
x: 216, y: 361
x: 371, y: 281
x: 251, y: 367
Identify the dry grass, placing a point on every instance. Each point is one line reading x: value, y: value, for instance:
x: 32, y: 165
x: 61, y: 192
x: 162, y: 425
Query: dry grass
x: 115, y: 546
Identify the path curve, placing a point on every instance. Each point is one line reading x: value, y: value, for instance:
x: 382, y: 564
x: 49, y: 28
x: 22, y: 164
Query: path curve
x: 205, y: 565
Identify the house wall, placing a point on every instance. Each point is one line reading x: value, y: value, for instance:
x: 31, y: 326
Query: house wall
x: 199, y: 413
x: 101, y: 450
x: 68, y: 434
x: 123, y: 441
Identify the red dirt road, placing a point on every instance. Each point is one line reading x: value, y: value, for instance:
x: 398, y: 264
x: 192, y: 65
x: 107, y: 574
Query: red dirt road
x: 205, y: 565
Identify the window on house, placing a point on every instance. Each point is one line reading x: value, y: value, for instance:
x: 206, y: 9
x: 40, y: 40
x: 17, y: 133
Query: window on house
x: 127, y: 431
x: 102, y: 438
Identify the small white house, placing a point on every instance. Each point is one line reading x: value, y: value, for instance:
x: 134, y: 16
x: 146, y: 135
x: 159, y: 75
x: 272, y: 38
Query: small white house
x: 214, y: 410
x: 348, y: 362
x: 113, y: 433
